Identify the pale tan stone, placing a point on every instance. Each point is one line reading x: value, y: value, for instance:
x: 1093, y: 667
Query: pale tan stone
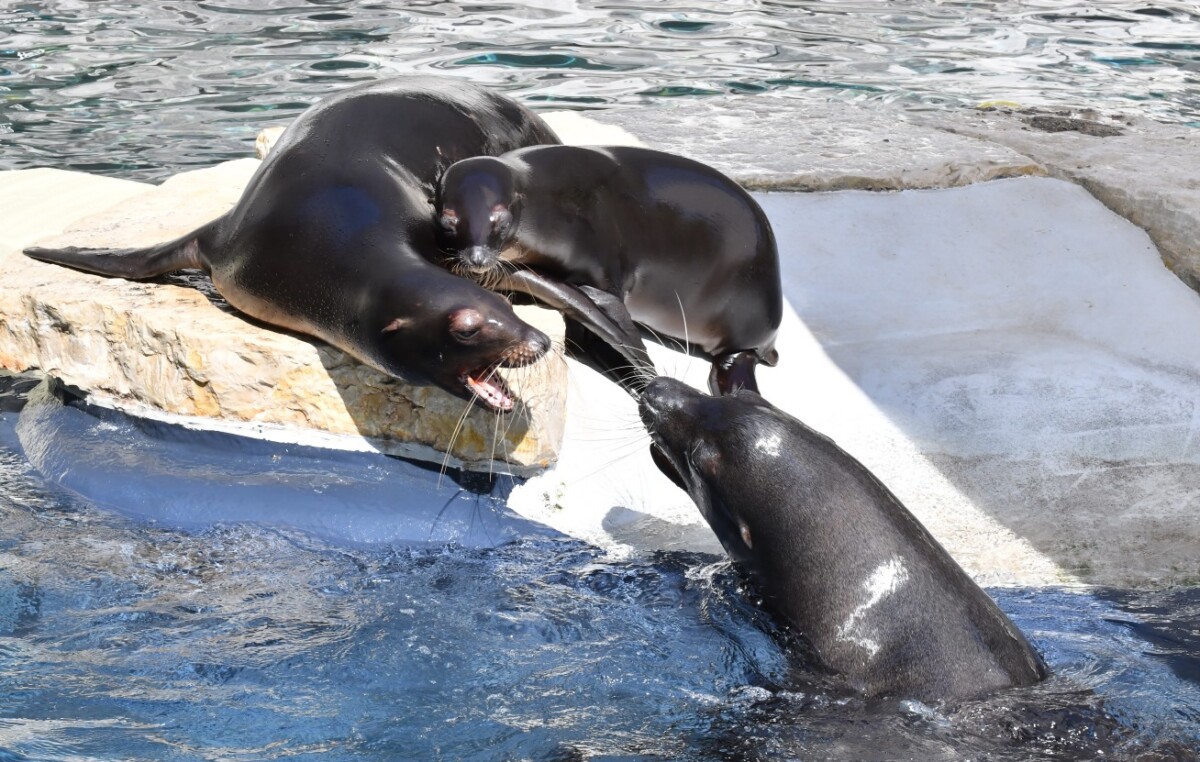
x: 774, y: 144
x: 163, y: 348
x: 266, y: 141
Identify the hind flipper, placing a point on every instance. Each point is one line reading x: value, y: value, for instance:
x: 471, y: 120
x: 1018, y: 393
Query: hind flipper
x: 131, y: 264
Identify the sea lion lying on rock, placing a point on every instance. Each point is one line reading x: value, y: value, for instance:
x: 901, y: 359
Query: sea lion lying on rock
x: 598, y: 231
x: 333, y: 235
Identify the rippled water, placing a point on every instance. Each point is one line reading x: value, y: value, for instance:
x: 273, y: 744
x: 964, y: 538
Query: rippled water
x: 144, y: 89
x: 125, y: 640
x: 122, y: 639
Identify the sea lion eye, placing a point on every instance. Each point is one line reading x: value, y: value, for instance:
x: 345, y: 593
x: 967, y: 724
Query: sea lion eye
x: 500, y: 217
x: 465, y: 324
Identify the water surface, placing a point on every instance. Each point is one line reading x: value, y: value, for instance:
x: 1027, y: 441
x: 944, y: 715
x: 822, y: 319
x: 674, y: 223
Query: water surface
x: 144, y: 90
x: 125, y: 638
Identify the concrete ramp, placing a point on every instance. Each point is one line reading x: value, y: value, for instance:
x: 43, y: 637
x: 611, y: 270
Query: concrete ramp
x: 1011, y: 358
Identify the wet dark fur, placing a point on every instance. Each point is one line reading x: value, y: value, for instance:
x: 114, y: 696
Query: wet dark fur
x: 836, y: 555
x: 332, y: 236
x: 686, y: 250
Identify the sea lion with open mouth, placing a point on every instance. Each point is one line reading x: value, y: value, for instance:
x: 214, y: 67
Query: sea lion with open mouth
x: 333, y: 235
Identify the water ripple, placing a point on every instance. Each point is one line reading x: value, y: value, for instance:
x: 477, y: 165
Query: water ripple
x: 144, y: 90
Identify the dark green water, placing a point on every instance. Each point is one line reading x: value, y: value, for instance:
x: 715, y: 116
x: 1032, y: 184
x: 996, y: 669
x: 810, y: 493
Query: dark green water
x: 144, y: 89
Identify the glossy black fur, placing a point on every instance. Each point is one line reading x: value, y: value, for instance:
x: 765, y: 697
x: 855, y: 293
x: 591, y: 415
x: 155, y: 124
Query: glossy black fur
x: 333, y: 235
x: 686, y: 250
x: 835, y: 554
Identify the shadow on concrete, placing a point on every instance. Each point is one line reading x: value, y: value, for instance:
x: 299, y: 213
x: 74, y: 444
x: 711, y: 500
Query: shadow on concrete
x: 1012, y: 348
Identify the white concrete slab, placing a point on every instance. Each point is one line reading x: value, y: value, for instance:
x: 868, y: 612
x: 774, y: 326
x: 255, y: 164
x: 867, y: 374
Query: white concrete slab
x: 1011, y: 358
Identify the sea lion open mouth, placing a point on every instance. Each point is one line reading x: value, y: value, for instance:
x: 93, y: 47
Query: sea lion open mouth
x: 487, y: 385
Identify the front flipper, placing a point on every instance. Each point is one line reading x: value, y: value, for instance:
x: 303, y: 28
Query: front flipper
x: 614, y: 309
x: 666, y: 466
x: 732, y: 372
x: 633, y: 367
x: 131, y: 264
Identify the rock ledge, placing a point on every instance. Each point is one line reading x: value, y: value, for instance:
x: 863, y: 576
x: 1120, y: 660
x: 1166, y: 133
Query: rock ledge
x: 168, y: 350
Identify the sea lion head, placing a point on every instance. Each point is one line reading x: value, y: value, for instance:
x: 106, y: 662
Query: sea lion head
x: 456, y: 335
x: 728, y: 453
x: 478, y: 210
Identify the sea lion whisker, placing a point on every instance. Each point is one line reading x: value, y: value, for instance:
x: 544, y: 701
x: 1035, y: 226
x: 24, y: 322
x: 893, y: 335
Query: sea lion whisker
x: 495, y: 442
x: 606, y: 464
x: 454, y: 436
x: 441, y: 512
x: 683, y: 316
x: 630, y: 436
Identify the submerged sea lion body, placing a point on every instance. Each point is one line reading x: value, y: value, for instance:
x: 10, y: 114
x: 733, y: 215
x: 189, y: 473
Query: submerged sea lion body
x: 686, y: 250
x: 333, y: 234
x: 834, y: 553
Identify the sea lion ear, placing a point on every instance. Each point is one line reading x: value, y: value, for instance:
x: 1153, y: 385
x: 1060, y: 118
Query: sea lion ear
x: 398, y: 324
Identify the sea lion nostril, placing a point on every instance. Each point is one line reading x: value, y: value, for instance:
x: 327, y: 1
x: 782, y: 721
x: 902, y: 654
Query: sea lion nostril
x: 479, y: 256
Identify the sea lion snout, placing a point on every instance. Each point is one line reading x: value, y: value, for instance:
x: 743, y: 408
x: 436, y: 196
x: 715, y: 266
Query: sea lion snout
x: 660, y: 397
x: 479, y: 257
x: 529, y: 350
x: 668, y: 409
x: 475, y: 201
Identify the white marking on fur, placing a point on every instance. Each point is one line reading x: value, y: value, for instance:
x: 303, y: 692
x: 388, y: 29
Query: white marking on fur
x: 885, y: 580
x: 769, y: 445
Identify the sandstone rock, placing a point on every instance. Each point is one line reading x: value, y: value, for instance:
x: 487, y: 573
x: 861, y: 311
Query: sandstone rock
x: 171, y: 349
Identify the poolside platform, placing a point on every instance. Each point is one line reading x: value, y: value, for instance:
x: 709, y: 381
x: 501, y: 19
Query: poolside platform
x: 978, y: 309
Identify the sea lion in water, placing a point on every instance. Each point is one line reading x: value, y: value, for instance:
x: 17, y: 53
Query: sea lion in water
x: 686, y: 250
x: 333, y: 234
x: 834, y: 553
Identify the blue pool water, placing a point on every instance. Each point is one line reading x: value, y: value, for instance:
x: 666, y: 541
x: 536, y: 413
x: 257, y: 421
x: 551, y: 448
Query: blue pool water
x: 142, y: 89
x: 167, y: 596
x: 140, y: 621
